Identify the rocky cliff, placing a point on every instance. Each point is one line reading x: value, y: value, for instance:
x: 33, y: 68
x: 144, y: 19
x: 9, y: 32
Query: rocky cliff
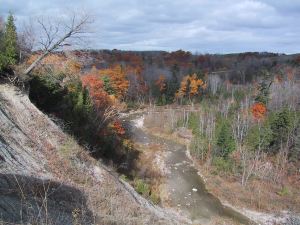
x: 47, y: 178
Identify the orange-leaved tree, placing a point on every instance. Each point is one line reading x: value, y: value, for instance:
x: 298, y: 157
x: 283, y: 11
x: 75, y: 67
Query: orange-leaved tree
x: 95, y: 87
x: 184, y: 87
x: 258, y: 110
x: 117, y: 77
x: 190, y: 86
x: 196, y: 85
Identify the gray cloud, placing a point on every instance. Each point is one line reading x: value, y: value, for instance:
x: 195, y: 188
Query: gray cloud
x: 197, y: 25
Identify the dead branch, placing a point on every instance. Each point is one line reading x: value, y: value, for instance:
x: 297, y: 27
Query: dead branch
x: 56, y: 36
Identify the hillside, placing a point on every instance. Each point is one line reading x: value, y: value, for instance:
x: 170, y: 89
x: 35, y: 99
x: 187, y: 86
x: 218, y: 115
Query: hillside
x: 47, y: 178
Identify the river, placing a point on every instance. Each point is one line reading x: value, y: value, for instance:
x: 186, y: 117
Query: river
x: 187, y: 192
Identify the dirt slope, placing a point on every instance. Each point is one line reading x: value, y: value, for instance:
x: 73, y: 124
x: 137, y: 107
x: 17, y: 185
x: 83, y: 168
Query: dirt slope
x: 47, y: 178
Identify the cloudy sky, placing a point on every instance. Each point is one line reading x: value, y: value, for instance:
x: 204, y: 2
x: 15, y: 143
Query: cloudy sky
x: 203, y: 26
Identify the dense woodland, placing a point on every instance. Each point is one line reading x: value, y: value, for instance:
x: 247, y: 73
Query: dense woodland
x: 243, y: 109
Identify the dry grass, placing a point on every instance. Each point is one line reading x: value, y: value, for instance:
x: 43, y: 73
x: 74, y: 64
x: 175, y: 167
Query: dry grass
x: 259, y: 195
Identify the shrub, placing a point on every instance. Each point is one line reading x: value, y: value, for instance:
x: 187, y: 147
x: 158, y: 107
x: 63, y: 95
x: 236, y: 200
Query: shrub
x: 141, y: 187
x: 223, y: 165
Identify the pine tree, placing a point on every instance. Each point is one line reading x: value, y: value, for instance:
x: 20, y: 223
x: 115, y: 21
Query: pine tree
x: 10, y: 41
x: 107, y: 85
x: 264, y: 89
x: 225, y: 140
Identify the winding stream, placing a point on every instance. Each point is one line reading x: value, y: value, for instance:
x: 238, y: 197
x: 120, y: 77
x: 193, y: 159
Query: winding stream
x: 186, y: 188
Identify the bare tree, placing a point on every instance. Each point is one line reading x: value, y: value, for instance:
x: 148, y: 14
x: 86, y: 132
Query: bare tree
x: 56, y: 36
x: 26, y: 39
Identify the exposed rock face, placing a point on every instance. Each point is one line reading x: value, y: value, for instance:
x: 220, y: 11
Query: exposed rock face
x: 18, y: 152
x: 31, y: 200
x: 47, y: 178
x: 28, y: 190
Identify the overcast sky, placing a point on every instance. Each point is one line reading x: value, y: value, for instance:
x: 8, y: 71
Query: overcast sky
x: 203, y: 26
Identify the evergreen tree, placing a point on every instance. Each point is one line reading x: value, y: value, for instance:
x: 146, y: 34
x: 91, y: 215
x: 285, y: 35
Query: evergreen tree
x: 10, y: 41
x: 281, y: 125
x: 264, y: 89
x: 107, y: 85
x: 225, y: 140
x: 259, y: 137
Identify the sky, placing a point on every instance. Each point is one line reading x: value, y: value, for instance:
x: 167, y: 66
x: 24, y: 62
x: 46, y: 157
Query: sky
x: 199, y: 26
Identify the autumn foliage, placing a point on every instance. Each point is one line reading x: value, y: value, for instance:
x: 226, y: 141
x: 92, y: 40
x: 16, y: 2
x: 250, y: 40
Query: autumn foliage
x: 96, y: 80
x: 190, y: 86
x: 118, y: 128
x: 117, y: 76
x: 258, y: 110
x: 95, y: 87
x: 57, y: 64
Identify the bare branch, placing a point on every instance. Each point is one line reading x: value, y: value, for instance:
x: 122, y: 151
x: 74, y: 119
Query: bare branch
x: 56, y: 36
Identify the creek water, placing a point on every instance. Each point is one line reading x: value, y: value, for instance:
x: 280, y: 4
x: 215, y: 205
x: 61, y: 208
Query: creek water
x: 186, y: 188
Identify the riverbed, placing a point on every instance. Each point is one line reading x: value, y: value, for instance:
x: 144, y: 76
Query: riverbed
x: 185, y: 188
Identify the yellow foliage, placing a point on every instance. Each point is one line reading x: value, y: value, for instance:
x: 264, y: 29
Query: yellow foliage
x: 190, y: 86
x: 117, y: 76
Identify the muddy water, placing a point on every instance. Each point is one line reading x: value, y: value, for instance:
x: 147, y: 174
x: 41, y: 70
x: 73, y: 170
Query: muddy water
x: 186, y: 188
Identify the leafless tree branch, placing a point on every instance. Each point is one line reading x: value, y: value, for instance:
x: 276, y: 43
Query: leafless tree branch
x: 56, y: 36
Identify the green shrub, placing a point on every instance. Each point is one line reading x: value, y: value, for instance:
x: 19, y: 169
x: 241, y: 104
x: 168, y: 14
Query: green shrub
x: 141, y: 187
x: 223, y: 165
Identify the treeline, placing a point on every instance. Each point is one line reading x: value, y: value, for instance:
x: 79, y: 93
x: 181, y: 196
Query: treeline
x: 153, y: 67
